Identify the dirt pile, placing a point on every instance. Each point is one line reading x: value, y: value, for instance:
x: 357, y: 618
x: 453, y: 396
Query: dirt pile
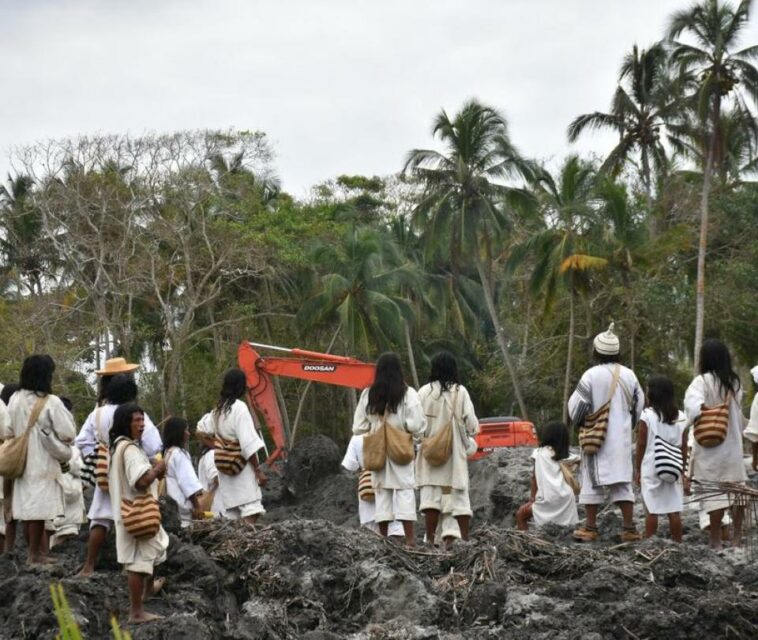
x: 308, y: 572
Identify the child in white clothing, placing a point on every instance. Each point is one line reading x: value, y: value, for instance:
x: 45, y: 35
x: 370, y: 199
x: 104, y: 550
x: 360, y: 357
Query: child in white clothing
x: 182, y: 483
x: 552, y: 498
x: 661, y: 457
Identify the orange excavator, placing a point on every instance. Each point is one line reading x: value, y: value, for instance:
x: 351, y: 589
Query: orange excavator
x: 345, y: 372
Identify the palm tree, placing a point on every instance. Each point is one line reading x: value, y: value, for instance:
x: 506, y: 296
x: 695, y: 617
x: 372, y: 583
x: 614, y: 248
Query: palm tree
x: 724, y: 74
x: 465, y: 196
x: 643, y: 104
x: 562, y: 251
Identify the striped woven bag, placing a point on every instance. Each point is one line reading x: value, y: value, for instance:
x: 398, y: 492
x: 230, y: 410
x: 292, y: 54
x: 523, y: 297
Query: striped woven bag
x: 102, y: 461
x: 227, y: 454
x: 141, y: 516
x: 365, y: 487
x: 668, y: 460
x: 595, y: 427
x: 711, y: 425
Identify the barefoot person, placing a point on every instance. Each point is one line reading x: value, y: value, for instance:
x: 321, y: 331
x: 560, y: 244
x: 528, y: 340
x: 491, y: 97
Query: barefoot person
x: 232, y: 423
x: 607, y: 474
x: 662, y: 490
x: 717, y: 384
x: 130, y: 474
x: 37, y: 495
x: 390, y: 399
x: 444, y: 400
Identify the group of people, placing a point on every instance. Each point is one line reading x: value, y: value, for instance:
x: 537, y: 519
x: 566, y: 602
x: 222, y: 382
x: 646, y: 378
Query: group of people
x: 404, y: 441
x: 129, y: 462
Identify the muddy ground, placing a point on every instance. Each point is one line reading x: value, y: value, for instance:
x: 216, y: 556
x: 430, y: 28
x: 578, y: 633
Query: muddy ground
x: 309, y: 572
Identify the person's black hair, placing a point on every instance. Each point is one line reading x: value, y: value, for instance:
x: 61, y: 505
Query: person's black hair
x: 233, y: 387
x: 388, y: 389
x: 103, y: 382
x: 121, y: 389
x: 8, y: 390
x: 555, y: 435
x: 173, y: 433
x: 67, y: 403
x: 715, y: 359
x: 122, y: 421
x: 662, y: 398
x: 605, y: 358
x: 37, y: 374
x: 444, y: 369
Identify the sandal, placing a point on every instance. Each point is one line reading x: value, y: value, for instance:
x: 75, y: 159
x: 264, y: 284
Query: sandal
x: 631, y: 535
x: 585, y: 534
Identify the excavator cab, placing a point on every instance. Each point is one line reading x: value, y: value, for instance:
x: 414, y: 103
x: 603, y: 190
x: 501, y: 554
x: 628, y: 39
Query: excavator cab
x: 505, y: 431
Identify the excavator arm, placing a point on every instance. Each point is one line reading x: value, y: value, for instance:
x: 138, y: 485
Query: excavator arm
x: 300, y: 364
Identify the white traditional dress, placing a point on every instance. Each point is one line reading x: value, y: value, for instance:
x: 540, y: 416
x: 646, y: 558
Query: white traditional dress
x: 353, y: 461
x: 241, y: 494
x: 555, y: 502
x: 37, y: 494
x: 722, y: 463
x: 181, y: 482
x: 439, y: 407
x: 393, y: 485
x: 208, y: 476
x: 73, y: 500
x: 660, y: 497
x: 96, y: 430
x: 611, y: 466
x: 128, y: 464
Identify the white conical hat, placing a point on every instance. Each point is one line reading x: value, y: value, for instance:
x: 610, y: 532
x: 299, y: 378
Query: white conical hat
x: 607, y: 343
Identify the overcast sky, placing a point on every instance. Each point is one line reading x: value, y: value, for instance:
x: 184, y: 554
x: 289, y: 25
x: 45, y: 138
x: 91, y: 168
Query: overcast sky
x: 340, y: 86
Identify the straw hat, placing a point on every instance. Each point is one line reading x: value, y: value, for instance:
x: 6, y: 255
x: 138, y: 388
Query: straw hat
x: 607, y: 343
x: 117, y: 365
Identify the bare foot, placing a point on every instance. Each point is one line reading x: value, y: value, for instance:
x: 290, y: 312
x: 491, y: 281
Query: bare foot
x: 85, y: 573
x: 143, y: 617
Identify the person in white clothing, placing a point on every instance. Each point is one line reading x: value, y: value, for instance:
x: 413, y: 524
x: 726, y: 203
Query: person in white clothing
x: 121, y: 389
x: 659, y: 468
x: 232, y: 422
x: 717, y: 384
x: 67, y: 525
x: 353, y: 461
x: 129, y: 475
x: 751, y: 431
x: 444, y: 489
x: 182, y: 483
x: 552, y: 499
x: 7, y: 525
x: 208, y: 476
x: 37, y: 495
x: 392, y: 402
x: 609, y: 470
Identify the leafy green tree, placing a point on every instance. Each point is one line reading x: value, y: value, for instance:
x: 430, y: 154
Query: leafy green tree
x: 466, y: 198
x: 723, y: 74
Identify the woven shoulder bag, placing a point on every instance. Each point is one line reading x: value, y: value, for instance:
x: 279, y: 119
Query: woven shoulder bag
x: 14, y: 450
x: 438, y: 449
x: 141, y: 516
x: 595, y: 428
x: 366, y: 487
x: 227, y: 454
x: 712, y: 425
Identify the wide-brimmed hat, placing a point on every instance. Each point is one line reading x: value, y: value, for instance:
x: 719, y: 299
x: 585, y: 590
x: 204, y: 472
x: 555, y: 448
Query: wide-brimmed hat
x: 117, y: 365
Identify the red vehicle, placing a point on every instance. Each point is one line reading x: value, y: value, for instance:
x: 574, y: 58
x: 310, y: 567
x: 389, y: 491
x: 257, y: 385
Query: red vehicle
x: 345, y: 372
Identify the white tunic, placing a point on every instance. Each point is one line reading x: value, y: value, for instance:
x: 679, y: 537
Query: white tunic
x: 660, y: 497
x: 130, y: 463
x: 37, y: 494
x: 353, y: 461
x: 751, y: 431
x: 237, y: 425
x: 208, y: 476
x: 408, y: 417
x: 73, y: 498
x: 613, y: 462
x: 438, y: 409
x: 181, y: 481
x: 96, y: 430
x: 555, y: 501
x: 722, y: 463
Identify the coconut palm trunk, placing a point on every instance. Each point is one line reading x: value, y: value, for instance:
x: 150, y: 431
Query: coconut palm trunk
x: 500, y: 336
x: 411, y: 357
x: 701, y: 251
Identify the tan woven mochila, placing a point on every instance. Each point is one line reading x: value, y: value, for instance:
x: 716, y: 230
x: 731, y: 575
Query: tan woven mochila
x: 227, y: 454
x: 399, y: 445
x: 141, y: 516
x: 712, y: 425
x: 438, y: 449
x: 14, y: 450
x: 375, y: 449
x: 595, y: 428
x: 366, y: 487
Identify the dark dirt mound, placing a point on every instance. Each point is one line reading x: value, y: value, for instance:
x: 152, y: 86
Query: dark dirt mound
x: 308, y: 572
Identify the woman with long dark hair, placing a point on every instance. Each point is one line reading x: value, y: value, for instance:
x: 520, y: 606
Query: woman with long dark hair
x: 37, y: 495
x: 129, y: 475
x: 392, y: 402
x: 443, y: 488
x: 230, y: 425
x: 182, y: 483
x: 717, y: 384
